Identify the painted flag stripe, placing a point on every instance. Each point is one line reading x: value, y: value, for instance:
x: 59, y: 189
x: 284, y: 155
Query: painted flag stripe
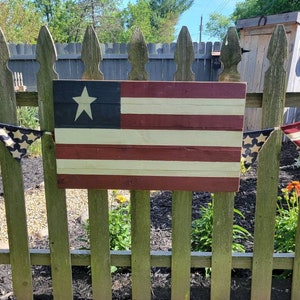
x: 219, y: 184
x: 147, y: 168
x: 222, y: 154
x: 182, y: 106
x: 148, y: 137
x: 183, y: 122
x: 173, y: 89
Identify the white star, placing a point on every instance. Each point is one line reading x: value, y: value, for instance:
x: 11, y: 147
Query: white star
x: 84, y: 104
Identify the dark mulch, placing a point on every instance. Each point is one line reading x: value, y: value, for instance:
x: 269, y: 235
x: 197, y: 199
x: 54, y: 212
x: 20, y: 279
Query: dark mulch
x: 161, y: 207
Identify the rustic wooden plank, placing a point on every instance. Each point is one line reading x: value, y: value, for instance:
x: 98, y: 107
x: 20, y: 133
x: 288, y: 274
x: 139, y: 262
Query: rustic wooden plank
x: 138, y: 56
x: 55, y: 198
x: 99, y: 242
x: 184, y: 56
x: 98, y: 199
x: 252, y: 99
x: 291, y: 17
x: 181, y: 244
x: 12, y: 178
x: 140, y: 244
x: 139, y: 200
x: 91, y: 55
x: 224, y: 202
x: 268, y: 167
x: 295, y: 293
x: 222, y: 245
x: 182, y: 200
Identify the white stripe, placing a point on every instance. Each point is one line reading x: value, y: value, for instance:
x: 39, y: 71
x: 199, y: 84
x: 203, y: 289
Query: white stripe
x: 182, y: 106
x: 295, y: 136
x: 148, y: 168
x: 148, y: 137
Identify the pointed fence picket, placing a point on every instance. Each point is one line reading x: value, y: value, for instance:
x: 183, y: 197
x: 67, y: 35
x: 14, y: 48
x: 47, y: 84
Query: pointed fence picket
x: 140, y: 258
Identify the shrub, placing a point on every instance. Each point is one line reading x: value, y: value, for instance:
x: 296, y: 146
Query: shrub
x: 202, y: 231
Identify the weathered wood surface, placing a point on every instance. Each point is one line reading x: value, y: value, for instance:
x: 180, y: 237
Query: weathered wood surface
x: 12, y: 178
x: 139, y: 200
x: 55, y: 198
x: 97, y: 199
x: 268, y: 167
x: 115, y: 64
x: 252, y: 99
x: 182, y: 200
x: 224, y: 202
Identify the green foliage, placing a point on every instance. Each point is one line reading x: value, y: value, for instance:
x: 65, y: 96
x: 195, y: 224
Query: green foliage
x: 20, y: 21
x: 286, y: 218
x: 255, y: 8
x: 217, y: 26
x: 120, y: 227
x: 202, y: 231
x: 28, y: 118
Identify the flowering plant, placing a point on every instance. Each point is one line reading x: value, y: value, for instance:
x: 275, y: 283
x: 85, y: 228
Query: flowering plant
x: 286, y: 218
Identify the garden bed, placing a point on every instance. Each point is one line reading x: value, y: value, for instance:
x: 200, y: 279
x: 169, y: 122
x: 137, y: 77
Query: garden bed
x: 161, y: 206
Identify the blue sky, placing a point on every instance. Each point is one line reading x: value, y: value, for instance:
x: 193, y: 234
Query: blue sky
x: 191, y: 18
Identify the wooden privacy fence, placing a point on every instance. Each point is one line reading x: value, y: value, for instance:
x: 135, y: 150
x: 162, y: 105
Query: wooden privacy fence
x: 262, y: 261
x: 115, y: 64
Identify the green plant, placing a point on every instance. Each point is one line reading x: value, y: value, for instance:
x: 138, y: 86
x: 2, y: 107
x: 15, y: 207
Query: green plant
x: 286, y: 218
x: 202, y: 231
x: 119, y: 226
x: 28, y: 118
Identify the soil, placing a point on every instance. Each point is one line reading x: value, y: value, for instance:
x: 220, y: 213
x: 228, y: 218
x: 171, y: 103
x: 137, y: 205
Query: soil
x: 160, y: 240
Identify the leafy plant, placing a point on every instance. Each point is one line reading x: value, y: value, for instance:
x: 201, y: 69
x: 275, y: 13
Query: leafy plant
x: 286, y: 218
x: 119, y: 226
x: 28, y: 118
x: 202, y: 231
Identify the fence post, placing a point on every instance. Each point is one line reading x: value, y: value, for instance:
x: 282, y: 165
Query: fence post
x: 55, y: 198
x: 140, y: 200
x: 182, y: 200
x: 13, y: 186
x: 224, y: 202
x: 268, y: 167
x: 97, y: 199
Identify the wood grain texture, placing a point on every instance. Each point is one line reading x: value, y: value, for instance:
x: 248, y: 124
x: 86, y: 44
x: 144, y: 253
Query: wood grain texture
x: 182, y: 200
x: 12, y: 178
x: 268, y: 167
x: 224, y: 202
x: 184, y: 56
x: 55, y: 198
x: 140, y: 200
x: 97, y: 199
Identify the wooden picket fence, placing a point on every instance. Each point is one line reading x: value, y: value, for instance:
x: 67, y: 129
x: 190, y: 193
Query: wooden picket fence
x: 262, y: 261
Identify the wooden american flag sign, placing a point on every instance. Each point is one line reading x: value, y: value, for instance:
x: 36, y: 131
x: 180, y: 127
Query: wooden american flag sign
x: 149, y: 135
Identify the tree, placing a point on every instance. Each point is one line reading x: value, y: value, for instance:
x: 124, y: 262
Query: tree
x: 217, y: 25
x: 156, y: 18
x: 68, y: 19
x: 249, y: 9
x: 255, y: 8
x: 20, y: 21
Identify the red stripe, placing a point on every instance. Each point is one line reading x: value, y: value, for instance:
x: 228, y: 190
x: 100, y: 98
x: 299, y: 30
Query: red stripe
x: 291, y: 128
x: 165, y: 153
x: 175, y: 89
x: 185, y: 122
x: 149, y: 183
